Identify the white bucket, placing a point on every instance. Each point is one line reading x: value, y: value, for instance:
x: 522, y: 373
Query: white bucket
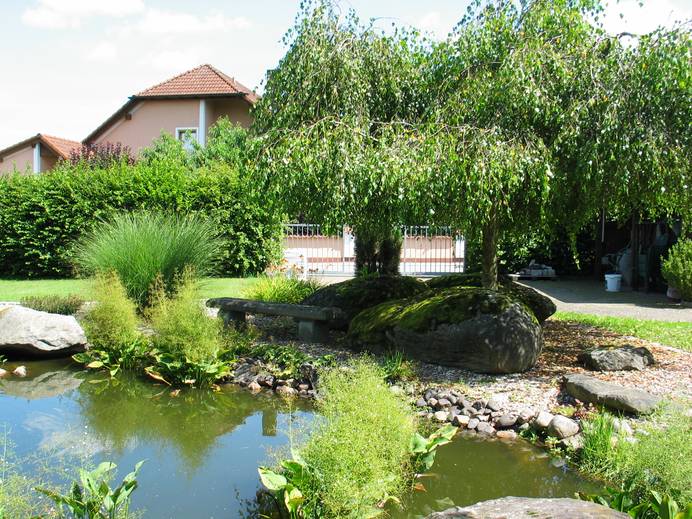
x: 613, y: 282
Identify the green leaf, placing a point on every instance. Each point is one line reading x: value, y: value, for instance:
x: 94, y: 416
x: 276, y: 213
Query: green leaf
x: 271, y: 480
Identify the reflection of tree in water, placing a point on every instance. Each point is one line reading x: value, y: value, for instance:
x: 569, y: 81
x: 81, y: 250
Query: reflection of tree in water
x: 128, y: 410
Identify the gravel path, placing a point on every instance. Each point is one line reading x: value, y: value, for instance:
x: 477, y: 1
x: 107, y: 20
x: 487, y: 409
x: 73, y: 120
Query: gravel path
x: 589, y: 297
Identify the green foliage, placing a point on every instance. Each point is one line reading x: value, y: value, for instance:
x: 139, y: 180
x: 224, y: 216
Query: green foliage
x: 654, y: 506
x: 677, y: 268
x: 424, y: 449
x: 93, y: 498
x: 282, y: 289
x: 354, y: 459
x: 111, y: 323
x: 54, y: 304
x: 187, y: 342
x: 41, y: 216
x: 659, y: 461
x: 396, y: 367
x: 141, y: 246
x: 284, y: 361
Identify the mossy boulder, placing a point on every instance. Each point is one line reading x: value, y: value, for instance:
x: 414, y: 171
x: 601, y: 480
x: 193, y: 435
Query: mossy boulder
x: 480, y: 330
x: 355, y: 295
x: 542, y: 306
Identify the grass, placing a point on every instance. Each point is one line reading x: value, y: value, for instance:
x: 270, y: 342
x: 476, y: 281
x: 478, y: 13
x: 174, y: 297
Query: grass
x: 281, y: 289
x: 66, y: 305
x: 15, y: 290
x: 676, y: 334
x: 144, y: 246
x: 660, y: 460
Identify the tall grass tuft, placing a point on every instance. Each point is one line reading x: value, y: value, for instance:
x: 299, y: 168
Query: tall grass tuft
x: 282, y: 289
x: 360, y: 454
x: 54, y: 304
x: 144, y: 245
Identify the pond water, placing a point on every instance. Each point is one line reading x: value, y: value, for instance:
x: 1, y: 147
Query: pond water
x: 203, y: 448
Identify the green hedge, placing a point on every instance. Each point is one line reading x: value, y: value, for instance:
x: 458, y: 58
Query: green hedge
x: 42, y: 215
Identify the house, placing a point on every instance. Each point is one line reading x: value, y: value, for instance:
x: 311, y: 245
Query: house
x: 36, y: 154
x: 184, y: 106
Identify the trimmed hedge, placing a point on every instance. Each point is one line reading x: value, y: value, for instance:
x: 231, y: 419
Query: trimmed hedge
x: 41, y: 216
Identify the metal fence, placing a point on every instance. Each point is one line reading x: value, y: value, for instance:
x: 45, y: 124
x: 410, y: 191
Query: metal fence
x: 425, y: 251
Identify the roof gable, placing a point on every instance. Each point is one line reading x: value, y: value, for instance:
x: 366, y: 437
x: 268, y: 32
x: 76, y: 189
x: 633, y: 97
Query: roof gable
x: 201, y: 81
x: 61, y: 147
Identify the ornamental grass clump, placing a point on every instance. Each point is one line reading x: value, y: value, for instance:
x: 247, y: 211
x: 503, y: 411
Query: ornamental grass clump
x: 282, y: 289
x: 360, y: 454
x: 143, y: 246
x: 187, y: 342
x: 54, y: 304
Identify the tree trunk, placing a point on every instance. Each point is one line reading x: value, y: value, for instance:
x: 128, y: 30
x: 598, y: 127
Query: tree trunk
x: 490, y: 237
x: 377, y: 254
x: 597, y: 266
x: 635, y: 250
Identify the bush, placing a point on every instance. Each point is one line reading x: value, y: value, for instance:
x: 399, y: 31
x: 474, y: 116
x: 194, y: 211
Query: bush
x: 142, y: 246
x: 101, y: 155
x: 111, y: 323
x: 188, y: 342
x: 360, y: 455
x: 41, y: 216
x: 66, y: 305
x: 677, y: 268
x: 659, y: 461
x: 282, y: 289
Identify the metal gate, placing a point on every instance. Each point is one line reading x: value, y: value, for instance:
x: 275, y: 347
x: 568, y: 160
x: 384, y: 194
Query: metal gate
x: 425, y: 251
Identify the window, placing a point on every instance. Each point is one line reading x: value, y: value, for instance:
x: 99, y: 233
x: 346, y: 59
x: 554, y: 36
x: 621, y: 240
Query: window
x: 187, y: 136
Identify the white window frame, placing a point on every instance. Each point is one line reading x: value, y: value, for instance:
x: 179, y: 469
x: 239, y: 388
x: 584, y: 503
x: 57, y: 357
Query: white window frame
x: 179, y: 131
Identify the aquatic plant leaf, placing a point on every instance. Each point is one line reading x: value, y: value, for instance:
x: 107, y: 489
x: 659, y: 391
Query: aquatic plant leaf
x: 271, y: 480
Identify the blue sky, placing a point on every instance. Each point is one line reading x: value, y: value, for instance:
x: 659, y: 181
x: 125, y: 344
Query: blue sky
x: 68, y: 64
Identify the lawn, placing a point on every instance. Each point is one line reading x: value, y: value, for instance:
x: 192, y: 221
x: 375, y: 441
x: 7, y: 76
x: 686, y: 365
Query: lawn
x: 676, y: 334
x: 14, y: 290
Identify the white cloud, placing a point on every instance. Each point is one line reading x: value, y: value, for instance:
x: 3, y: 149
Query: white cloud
x: 105, y: 51
x: 172, y: 60
x: 432, y: 22
x: 157, y: 22
x: 61, y: 14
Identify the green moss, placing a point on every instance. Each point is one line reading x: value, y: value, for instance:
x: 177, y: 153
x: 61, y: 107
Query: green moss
x: 420, y: 313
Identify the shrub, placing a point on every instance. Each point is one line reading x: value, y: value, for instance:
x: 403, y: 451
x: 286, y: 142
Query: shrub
x: 101, y: 155
x: 111, y: 323
x: 41, y: 216
x: 141, y: 246
x: 66, y: 305
x: 188, y: 342
x: 677, y: 268
x: 282, y: 289
x: 357, y: 456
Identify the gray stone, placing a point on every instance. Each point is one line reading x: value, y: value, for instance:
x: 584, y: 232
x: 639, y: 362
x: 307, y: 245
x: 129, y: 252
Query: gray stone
x: 483, y: 417
x: 531, y: 508
x: 442, y: 403
x: 613, y: 396
x: 461, y: 420
x: 308, y: 372
x: 575, y: 443
x: 27, y: 332
x: 525, y: 416
x: 562, y: 427
x: 432, y: 402
x: 19, y: 371
x: 524, y: 427
x: 489, y: 331
x: 495, y: 404
x: 478, y: 404
x: 621, y: 425
x: 441, y: 416
x: 421, y: 403
x: 506, y: 421
x: 543, y: 420
x: 473, y: 423
x: 3, y: 372
x: 286, y: 391
x: 454, y: 410
x: 485, y: 428
x: 617, y: 359
x: 254, y: 386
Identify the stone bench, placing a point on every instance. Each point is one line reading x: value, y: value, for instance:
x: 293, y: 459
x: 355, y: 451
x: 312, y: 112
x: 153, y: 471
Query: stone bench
x: 313, y: 321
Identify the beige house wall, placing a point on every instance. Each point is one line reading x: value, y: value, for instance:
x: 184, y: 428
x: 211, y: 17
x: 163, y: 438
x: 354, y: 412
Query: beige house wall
x: 151, y: 117
x: 22, y: 160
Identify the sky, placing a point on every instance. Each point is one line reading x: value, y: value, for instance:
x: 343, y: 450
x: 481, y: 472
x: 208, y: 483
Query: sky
x: 69, y: 64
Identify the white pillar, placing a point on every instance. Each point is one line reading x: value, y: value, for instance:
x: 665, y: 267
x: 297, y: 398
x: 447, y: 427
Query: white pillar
x: 37, y: 157
x: 202, y: 130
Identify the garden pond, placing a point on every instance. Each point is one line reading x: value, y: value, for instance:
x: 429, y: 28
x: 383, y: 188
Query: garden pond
x: 203, y: 448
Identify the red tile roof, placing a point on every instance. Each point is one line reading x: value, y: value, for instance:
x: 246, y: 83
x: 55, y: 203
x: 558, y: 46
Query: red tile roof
x: 61, y: 146
x: 201, y: 81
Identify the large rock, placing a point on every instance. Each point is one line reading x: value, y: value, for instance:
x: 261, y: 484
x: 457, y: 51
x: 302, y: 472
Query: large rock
x: 617, y: 359
x: 613, y: 396
x: 30, y: 333
x: 542, y: 306
x: 471, y: 328
x: 355, y: 295
x: 530, y: 508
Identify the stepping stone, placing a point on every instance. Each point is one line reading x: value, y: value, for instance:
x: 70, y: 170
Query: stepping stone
x: 531, y: 508
x: 612, y: 396
x: 617, y: 359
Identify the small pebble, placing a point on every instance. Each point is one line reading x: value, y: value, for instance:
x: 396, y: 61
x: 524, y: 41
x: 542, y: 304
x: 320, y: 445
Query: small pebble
x: 20, y: 371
